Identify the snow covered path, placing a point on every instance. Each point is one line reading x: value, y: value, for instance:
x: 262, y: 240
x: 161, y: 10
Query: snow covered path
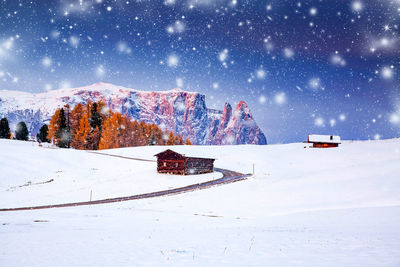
x: 228, y: 177
x: 122, y: 157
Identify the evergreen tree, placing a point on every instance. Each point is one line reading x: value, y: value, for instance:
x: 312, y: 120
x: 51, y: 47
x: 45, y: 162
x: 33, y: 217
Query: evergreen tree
x: 152, y: 140
x: 5, y: 132
x: 67, y: 131
x: 156, y: 135
x: 95, y: 121
x: 21, y: 131
x: 62, y: 134
x: 93, y: 139
x: 95, y: 117
x: 42, y: 135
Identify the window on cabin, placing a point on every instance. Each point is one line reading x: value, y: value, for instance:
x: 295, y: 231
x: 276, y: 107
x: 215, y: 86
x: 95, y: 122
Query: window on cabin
x: 331, y: 137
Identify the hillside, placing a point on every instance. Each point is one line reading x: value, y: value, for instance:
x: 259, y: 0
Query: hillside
x: 181, y: 112
x: 303, y: 207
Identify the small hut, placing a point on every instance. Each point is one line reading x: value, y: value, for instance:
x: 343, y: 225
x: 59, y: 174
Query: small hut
x: 324, y: 141
x: 170, y: 161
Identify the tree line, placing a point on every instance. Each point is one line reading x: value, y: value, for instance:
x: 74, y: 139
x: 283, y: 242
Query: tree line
x: 21, y: 131
x: 93, y: 126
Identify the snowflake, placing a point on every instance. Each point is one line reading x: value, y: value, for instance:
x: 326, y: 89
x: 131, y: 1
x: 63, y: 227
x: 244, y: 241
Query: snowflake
x: 123, y: 48
x: 173, y: 61
x: 6, y: 46
x: 179, y: 82
x: 100, y: 71
x: 338, y: 60
x: 48, y: 87
x: 65, y: 85
x: 46, y: 62
x: 74, y: 41
x: 288, y: 52
x: 180, y: 106
x: 169, y: 2
x: 357, y: 6
x: 387, y: 72
x: 394, y: 118
x: 177, y: 27
x: 262, y: 99
x: 377, y: 136
x: 320, y: 122
x: 313, y: 11
x: 223, y: 55
x: 280, y: 98
x: 314, y: 83
x: 261, y: 74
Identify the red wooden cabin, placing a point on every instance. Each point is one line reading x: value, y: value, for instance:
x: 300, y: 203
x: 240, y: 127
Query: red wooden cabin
x: 170, y: 161
x: 324, y: 141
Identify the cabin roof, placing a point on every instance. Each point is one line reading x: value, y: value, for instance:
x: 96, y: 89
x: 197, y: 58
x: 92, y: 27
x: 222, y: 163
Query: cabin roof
x: 183, y: 155
x: 317, y: 138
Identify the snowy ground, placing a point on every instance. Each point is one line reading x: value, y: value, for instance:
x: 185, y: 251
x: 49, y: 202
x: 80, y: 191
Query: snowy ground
x: 303, y: 207
x: 75, y: 174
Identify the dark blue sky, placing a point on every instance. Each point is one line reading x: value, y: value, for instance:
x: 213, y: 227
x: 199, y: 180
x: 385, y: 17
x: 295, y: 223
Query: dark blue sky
x: 329, y: 67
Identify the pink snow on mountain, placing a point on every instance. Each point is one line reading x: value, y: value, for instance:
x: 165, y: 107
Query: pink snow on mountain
x: 181, y: 112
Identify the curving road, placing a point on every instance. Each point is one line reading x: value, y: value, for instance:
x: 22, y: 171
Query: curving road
x: 228, y: 177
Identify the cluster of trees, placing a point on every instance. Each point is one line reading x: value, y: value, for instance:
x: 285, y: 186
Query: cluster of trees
x: 21, y: 131
x: 93, y: 126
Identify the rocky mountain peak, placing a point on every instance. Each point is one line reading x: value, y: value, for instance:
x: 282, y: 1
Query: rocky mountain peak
x: 175, y: 110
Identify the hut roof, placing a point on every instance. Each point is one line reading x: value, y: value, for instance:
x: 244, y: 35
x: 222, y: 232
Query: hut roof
x: 317, y: 138
x: 184, y: 155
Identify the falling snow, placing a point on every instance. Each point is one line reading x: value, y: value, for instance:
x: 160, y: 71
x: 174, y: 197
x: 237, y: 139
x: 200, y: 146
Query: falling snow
x: 335, y: 59
x: 173, y: 61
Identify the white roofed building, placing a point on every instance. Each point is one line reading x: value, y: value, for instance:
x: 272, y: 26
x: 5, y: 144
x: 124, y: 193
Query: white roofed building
x: 324, y: 141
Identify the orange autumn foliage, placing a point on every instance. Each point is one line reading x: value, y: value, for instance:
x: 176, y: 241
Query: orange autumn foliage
x: 80, y: 139
x: 114, y: 132
x: 111, y: 129
x: 53, y: 126
x: 76, y: 116
x: 171, y: 139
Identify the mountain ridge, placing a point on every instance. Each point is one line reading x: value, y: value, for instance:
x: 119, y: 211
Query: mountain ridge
x: 175, y: 110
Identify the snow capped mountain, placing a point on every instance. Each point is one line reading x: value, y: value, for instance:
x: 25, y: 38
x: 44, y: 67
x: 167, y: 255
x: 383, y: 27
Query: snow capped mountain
x: 175, y: 110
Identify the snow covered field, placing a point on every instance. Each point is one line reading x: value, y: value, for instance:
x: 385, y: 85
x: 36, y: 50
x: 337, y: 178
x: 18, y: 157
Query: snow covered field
x: 74, y: 174
x: 303, y: 207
